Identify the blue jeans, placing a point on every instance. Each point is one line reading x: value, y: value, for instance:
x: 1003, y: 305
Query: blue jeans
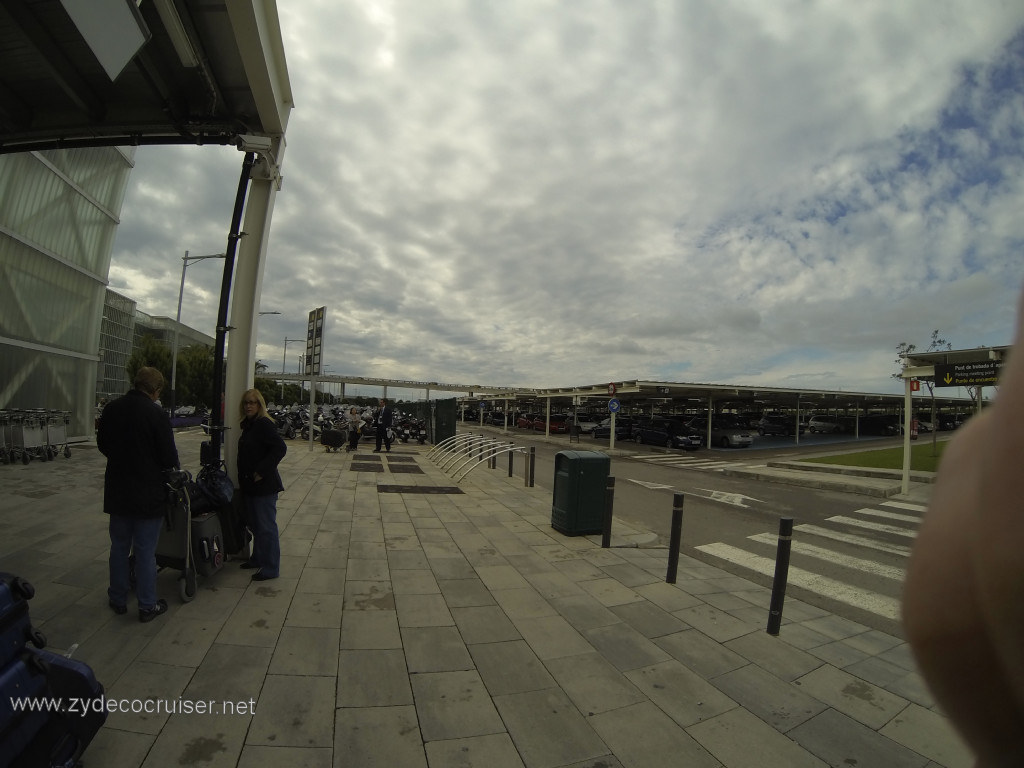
x: 261, y: 515
x: 138, y: 535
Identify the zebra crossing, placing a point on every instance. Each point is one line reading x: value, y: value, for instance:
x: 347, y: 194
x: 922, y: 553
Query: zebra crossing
x: 871, y: 532
x: 686, y: 461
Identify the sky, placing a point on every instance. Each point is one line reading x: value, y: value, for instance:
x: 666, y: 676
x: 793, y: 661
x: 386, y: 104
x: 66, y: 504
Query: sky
x: 541, y: 193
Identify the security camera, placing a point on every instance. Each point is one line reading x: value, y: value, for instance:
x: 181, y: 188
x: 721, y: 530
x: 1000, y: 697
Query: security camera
x: 247, y: 142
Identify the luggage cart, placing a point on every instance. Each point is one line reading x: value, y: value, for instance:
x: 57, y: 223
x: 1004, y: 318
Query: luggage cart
x: 192, y: 544
x: 6, y: 447
x: 28, y: 435
x: 57, y: 433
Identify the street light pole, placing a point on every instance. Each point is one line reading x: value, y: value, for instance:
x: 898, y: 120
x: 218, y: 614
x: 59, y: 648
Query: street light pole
x: 284, y: 362
x: 177, y: 322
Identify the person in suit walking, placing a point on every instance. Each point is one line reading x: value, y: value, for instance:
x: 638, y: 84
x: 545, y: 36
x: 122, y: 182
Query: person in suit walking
x: 383, y: 420
x: 135, y: 435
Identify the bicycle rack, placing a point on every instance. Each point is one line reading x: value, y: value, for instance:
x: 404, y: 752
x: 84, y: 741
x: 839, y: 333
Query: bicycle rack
x: 461, y: 454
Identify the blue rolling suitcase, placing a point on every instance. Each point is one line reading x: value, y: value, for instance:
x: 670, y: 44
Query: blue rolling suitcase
x: 15, y: 628
x: 23, y: 700
x: 61, y: 738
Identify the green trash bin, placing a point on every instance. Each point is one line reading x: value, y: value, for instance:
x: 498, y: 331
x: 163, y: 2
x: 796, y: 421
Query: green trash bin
x: 578, y: 499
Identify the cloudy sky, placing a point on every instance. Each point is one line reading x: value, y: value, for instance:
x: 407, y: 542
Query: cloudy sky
x: 551, y: 193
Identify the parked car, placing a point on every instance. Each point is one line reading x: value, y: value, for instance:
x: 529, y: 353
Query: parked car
x: 585, y: 423
x: 725, y: 431
x: 879, y: 424
x: 825, y: 424
x: 496, y: 418
x: 559, y: 424
x: 623, y: 428
x: 778, y: 425
x: 668, y: 432
x: 525, y: 420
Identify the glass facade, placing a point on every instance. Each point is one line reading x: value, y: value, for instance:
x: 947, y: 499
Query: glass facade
x: 59, y: 212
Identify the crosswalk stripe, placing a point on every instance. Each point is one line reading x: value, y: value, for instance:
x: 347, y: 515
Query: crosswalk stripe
x: 867, y: 525
x: 848, y: 538
x: 888, y: 515
x: 864, y: 599
x: 905, y: 505
x: 859, y: 563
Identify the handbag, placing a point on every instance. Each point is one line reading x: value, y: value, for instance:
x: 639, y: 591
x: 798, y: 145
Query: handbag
x: 214, y: 483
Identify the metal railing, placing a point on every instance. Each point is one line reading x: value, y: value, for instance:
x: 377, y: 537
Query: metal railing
x: 461, y: 454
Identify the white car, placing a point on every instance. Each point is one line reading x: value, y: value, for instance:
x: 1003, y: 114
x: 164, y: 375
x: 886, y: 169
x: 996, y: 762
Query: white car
x: 586, y: 424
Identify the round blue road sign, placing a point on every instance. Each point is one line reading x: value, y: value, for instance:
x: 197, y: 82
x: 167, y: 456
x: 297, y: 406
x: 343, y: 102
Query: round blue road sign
x: 614, y: 405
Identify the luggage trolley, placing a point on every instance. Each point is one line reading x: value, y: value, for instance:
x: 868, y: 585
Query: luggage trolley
x: 6, y: 447
x: 193, y: 544
x: 28, y: 435
x: 57, y: 433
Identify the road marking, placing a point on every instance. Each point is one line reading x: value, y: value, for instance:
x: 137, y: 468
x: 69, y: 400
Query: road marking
x: 905, y: 505
x: 736, y: 499
x: 653, y: 486
x: 820, y: 553
x: 873, y: 526
x: 860, y: 541
x: 880, y: 605
x: 888, y: 515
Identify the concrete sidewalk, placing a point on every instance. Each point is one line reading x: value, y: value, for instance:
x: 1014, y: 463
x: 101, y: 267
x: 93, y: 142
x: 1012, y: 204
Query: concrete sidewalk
x: 422, y: 623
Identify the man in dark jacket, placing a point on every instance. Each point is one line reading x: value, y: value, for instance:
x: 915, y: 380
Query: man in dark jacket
x: 384, y: 417
x: 135, y: 435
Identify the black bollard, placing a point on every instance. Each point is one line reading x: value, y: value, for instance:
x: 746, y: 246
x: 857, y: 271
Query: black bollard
x: 781, y: 575
x: 511, y: 454
x: 530, y: 465
x: 609, y: 503
x: 675, y: 540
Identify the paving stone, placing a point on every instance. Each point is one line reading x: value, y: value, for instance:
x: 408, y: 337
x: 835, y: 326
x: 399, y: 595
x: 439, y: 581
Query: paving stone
x: 294, y: 757
x: 435, y: 649
x: 584, y: 611
x: 648, y: 619
x: 423, y: 611
x: 680, y: 693
x: 461, y: 593
x: 668, y: 596
x: 523, y: 603
x: 547, y: 729
x: 835, y: 627
x: 609, y: 592
x: 593, y: 683
x: 327, y: 581
x: 842, y: 741
x: 852, y: 696
x: 370, y: 629
x: 768, y: 652
x: 624, y: 647
x: 780, y: 704
x: 454, y: 705
x: 740, y: 740
x: 198, y: 739
x: 414, y: 582
x: 306, y: 651
x: 144, y: 681
x: 714, y: 623
x: 643, y: 735
x: 369, y: 596
x: 510, y: 667
x: 378, y: 737
x: 315, y: 610
x: 551, y: 637
x: 484, y: 624
x: 493, y: 751
x: 294, y: 712
x: 929, y: 734
x: 700, y: 653
x: 373, y: 678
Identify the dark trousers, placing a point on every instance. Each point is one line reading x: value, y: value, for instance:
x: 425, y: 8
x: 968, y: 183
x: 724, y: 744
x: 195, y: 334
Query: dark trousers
x: 382, y: 437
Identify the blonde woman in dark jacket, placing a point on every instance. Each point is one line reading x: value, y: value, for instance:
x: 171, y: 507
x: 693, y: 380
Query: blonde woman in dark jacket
x: 260, y: 450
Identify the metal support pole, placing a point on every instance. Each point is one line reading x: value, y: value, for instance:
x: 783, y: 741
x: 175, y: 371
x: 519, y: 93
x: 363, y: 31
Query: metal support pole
x: 510, y: 455
x: 609, y: 502
x: 530, y: 466
x: 781, y: 574
x: 675, y: 540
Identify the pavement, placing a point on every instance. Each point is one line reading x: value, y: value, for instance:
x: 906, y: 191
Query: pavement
x: 424, y: 622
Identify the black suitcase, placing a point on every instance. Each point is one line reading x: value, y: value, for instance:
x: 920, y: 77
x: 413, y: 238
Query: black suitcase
x: 23, y: 706
x: 15, y: 627
x: 64, y: 735
x: 332, y: 439
x: 207, y: 541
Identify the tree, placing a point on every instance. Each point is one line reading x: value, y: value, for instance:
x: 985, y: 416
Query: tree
x: 152, y: 353
x: 195, y: 375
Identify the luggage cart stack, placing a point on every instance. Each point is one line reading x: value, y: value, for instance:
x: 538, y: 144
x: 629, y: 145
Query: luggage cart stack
x: 57, y: 433
x: 28, y: 432
x: 6, y: 447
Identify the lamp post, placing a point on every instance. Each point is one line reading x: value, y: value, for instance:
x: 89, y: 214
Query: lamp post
x: 284, y: 362
x: 185, y: 260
